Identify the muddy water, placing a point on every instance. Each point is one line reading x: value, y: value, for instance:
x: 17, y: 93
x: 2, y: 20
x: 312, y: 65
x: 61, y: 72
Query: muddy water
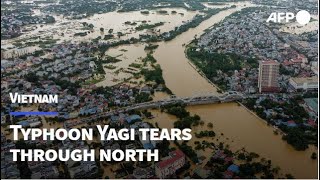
x: 296, y: 28
x: 239, y: 126
x: 128, y: 54
x: 246, y: 130
x: 116, y: 21
x: 64, y: 29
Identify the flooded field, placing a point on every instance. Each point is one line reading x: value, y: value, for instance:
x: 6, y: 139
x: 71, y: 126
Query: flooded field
x: 64, y: 30
x: 296, y: 28
x: 119, y: 72
x: 116, y: 21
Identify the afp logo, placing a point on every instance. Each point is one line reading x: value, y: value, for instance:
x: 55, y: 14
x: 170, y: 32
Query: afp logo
x: 303, y: 17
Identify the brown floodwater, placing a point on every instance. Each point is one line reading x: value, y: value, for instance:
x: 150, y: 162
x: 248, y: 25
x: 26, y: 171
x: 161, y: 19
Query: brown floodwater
x: 179, y: 75
x: 240, y: 127
x: 128, y: 54
x: 244, y: 129
x: 64, y: 29
x: 296, y: 28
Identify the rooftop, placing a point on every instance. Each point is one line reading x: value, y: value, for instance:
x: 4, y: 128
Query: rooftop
x: 269, y: 62
x: 175, y: 155
x: 300, y: 80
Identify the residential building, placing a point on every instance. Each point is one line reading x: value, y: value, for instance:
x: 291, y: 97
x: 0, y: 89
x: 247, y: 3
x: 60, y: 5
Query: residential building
x: 268, y: 76
x: 170, y: 164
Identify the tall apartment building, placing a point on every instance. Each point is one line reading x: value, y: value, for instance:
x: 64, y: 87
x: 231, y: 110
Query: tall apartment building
x: 268, y: 76
x: 170, y: 164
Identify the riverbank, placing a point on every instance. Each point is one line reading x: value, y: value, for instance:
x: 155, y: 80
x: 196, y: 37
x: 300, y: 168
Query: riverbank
x: 241, y: 127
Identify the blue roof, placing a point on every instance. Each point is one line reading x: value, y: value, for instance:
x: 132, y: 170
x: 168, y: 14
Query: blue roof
x: 23, y: 123
x: 133, y: 118
x: 148, y: 146
x: 66, y: 116
x: 234, y: 168
x: 292, y: 125
x: 114, y: 118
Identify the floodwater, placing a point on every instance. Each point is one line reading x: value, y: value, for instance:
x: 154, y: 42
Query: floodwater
x: 179, y: 75
x: 244, y: 129
x: 116, y: 21
x: 63, y: 29
x: 240, y: 127
x: 120, y: 71
x: 296, y: 28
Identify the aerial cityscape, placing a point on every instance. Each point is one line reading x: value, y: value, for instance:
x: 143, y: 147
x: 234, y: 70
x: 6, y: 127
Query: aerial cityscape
x: 247, y: 88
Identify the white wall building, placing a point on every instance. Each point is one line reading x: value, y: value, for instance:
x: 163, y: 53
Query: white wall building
x: 308, y: 83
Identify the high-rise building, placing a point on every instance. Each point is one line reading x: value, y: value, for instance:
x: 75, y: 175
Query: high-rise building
x: 268, y: 76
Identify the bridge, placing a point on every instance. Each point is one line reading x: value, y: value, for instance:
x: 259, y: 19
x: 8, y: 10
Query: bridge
x: 195, y: 100
x: 230, y: 96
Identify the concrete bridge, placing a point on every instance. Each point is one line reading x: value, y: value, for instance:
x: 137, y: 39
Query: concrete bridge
x: 195, y: 100
x: 230, y: 96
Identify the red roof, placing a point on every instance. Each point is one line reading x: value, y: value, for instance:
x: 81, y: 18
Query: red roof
x: 287, y: 63
x: 175, y: 155
x: 312, y: 123
x: 228, y: 159
x: 228, y: 174
x: 291, y: 122
x: 296, y: 60
x: 270, y: 62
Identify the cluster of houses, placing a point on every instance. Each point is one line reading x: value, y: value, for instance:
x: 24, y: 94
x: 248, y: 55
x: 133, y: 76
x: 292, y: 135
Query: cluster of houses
x: 9, y: 169
x: 79, y: 169
x: 246, y: 36
x: 62, y: 71
x: 309, y: 105
x: 250, y: 37
x: 13, y: 20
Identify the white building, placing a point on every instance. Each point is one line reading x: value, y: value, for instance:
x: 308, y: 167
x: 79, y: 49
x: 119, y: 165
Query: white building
x: 308, y: 83
x: 170, y: 164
